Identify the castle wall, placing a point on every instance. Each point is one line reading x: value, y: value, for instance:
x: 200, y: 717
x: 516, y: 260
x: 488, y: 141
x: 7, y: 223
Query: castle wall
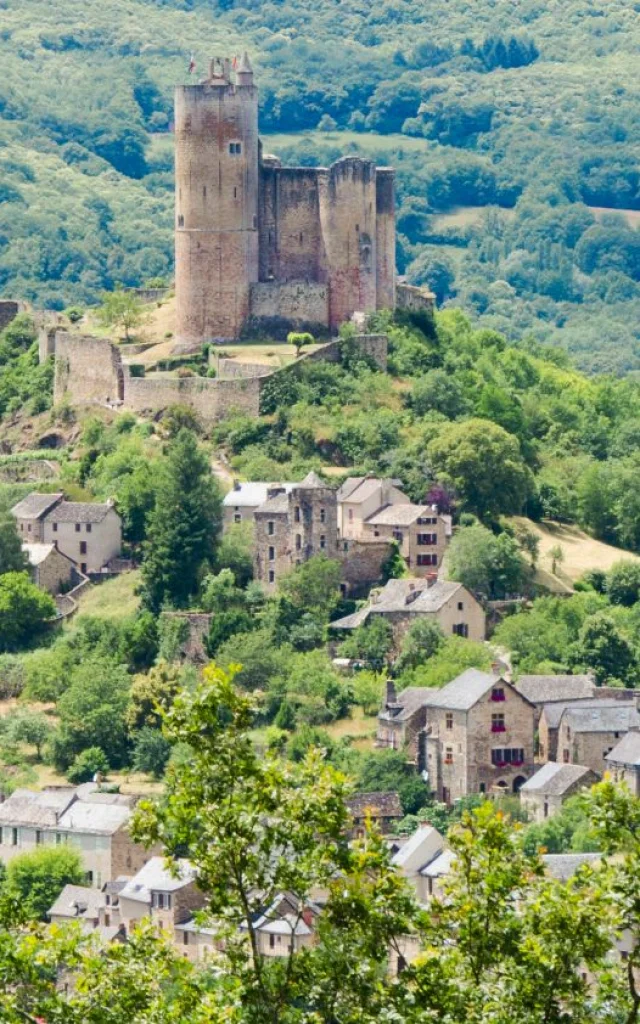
x: 230, y: 369
x: 210, y: 399
x: 86, y: 369
x: 385, y: 239
x: 348, y: 224
x: 299, y: 303
x: 216, y: 133
x: 291, y: 235
x: 409, y: 296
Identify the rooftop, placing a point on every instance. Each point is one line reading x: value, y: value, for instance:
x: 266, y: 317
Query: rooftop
x: 554, y: 711
x: 440, y: 865
x: 251, y: 494
x: 418, y: 596
x: 620, y: 718
x: 79, y: 512
x: 399, y: 515
x: 627, y: 750
x: 29, y: 807
x: 464, y: 691
x: 155, y: 876
x: 555, y: 779
x: 35, y: 505
x: 99, y: 818
x: 36, y: 553
x: 277, y: 505
x: 563, y: 865
x: 78, y: 902
x: 380, y: 804
x: 542, y: 689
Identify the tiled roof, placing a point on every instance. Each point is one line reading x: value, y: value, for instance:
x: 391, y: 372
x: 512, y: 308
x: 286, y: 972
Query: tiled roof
x: 35, y: 505
x: 312, y: 480
x: 601, y: 719
x: 627, y: 750
x: 555, y: 779
x: 563, y: 865
x: 156, y: 877
x: 399, y: 515
x: 78, y: 902
x: 78, y: 512
x: 349, y: 487
x: 413, y: 595
x: 29, y: 807
x: 411, y: 699
x: 385, y: 804
x: 541, y: 689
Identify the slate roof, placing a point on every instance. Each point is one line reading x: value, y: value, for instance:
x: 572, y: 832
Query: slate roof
x: 417, y: 596
x: 251, y: 494
x: 37, y: 553
x: 67, y: 902
x: 602, y: 719
x: 554, y: 711
x: 626, y: 751
x: 35, y: 505
x: 542, y: 689
x: 78, y: 512
x: 154, y: 876
x: 28, y: 807
x: 278, y: 505
x: 380, y: 804
x: 411, y: 699
x: 441, y: 865
x: 98, y: 818
x: 349, y: 487
x: 464, y: 691
x: 555, y: 779
x: 563, y: 865
x: 312, y: 480
x: 399, y: 515
x: 423, y: 846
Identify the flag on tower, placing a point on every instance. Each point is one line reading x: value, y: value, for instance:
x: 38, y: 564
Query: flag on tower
x: 235, y: 63
x: 192, y: 64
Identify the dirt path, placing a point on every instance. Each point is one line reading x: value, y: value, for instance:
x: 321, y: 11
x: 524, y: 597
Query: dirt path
x: 221, y: 470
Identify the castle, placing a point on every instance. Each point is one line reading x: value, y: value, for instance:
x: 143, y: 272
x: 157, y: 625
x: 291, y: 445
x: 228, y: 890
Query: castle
x: 262, y: 246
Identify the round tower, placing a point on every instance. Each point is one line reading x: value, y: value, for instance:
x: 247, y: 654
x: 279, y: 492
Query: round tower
x: 216, y: 229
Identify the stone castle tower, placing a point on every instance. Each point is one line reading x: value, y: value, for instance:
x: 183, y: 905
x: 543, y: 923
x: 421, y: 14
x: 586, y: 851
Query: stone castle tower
x: 265, y: 247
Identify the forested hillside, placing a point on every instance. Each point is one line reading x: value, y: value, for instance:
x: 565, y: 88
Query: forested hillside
x: 530, y: 107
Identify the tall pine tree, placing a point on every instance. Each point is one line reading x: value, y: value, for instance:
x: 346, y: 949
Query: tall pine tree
x: 183, y: 528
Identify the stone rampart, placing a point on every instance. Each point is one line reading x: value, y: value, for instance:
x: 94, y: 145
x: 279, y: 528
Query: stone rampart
x: 229, y: 369
x: 409, y: 296
x: 87, y: 369
x: 209, y: 399
x: 298, y: 304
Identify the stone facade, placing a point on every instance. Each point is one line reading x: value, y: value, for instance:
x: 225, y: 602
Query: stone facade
x: 420, y: 532
x: 414, y: 299
x: 87, y: 369
x: 196, y: 629
x: 50, y: 569
x: 255, y: 240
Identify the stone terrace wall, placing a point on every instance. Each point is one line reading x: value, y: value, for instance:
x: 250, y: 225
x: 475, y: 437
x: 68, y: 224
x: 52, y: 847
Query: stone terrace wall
x: 209, y: 399
x: 228, y: 369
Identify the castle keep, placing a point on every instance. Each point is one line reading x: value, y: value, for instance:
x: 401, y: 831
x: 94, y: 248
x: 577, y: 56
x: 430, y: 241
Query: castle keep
x: 262, y: 245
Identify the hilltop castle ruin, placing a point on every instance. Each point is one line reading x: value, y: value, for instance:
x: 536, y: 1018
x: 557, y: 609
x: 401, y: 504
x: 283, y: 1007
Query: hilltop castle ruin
x: 262, y: 246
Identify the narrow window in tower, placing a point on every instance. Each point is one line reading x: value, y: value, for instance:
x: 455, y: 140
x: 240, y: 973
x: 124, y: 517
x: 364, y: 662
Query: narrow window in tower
x: 235, y: 192
x: 301, y: 238
x: 235, y: 148
x: 204, y: 191
x: 180, y: 221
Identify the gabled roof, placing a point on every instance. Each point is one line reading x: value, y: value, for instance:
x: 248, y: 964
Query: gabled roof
x: 441, y: 865
x: 30, y: 807
x: 542, y: 689
x: 381, y: 804
x: 156, y: 877
x: 79, y: 512
x: 554, y: 711
x: 365, y: 488
x: 555, y: 779
x: 409, y: 701
x: 464, y: 691
x: 277, y: 505
x: 420, y: 849
x: 601, y: 719
x: 415, y: 596
x: 98, y: 818
x: 78, y: 902
x: 400, y: 515
x: 35, y: 505
x: 626, y: 750
x: 36, y: 553
x: 312, y: 480
x: 251, y: 494
x: 349, y: 487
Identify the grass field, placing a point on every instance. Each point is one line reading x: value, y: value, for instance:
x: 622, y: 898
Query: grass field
x: 114, y: 599
x: 581, y: 552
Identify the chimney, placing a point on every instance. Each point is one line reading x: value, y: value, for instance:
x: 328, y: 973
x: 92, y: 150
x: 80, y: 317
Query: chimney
x: 307, y: 917
x: 390, y: 696
x: 432, y: 577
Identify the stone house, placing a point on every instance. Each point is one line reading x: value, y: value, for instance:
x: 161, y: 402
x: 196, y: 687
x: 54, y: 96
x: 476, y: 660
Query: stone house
x: 359, y: 497
x: 384, y: 810
x: 421, y: 849
x: 546, y: 791
x: 89, y: 533
x: 623, y: 761
x: 170, y: 897
x: 293, y: 526
x: 50, y: 569
x: 94, y: 823
x: 543, y: 690
x: 240, y: 504
x: 587, y: 734
x: 475, y: 735
x: 401, y: 602
x: 551, y: 714
x: 421, y: 533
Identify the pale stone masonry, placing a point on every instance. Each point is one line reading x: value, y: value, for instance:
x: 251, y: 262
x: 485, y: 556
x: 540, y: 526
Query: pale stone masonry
x: 546, y: 791
x: 88, y: 533
x: 551, y: 715
x: 50, y: 569
x: 475, y: 735
x: 420, y: 532
x: 623, y: 761
x: 360, y: 497
x: 587, y: 735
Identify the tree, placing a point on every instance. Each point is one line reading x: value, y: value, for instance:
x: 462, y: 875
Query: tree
x: 120, y: 308
x: 88, y: 764
x: 602, y: 647
x: 183, y: 527
x: 484, y: 465
x: 24, y: 610
x: 299, y: 340
x: 12, y: 557
x: 370, y: 643
x: 313, y: 586
x: 235, y: 551
x: 556, y: 557
x: 623, y: 583
x: 151, y: 752
x: 32, y: 727
x: 92, y: 713
x: 421, y: 641
x: 486, y: 564
x: 390, y: 770
x: 36, y: 879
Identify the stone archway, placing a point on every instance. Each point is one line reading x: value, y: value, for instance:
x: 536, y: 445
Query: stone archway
x: 518, y: 783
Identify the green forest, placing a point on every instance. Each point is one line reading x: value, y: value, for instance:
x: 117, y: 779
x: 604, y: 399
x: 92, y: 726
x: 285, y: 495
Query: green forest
x: 524, y: 117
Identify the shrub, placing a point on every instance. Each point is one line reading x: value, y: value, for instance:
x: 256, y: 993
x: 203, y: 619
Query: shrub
x: 86, y: 764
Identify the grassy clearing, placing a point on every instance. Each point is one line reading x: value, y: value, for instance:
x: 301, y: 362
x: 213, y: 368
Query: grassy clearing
x: 359, y: 727
x: 581, y: 552
x: 114, y: 599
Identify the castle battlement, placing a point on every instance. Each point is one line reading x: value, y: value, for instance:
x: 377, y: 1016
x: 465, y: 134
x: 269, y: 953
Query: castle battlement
x: 243, y: 220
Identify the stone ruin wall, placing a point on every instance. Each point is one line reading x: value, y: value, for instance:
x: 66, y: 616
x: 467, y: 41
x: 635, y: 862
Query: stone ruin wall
x: 87, y: 369
x: 297, y: 305
x: 210, y: 399
x: 9, y: 310
x: 409, y: 296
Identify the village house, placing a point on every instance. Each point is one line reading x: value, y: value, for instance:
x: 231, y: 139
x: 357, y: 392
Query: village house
x: 241, y: 502
x: 543, y: 690
x: 546, y: 791
x: 50, y: 569
x: 168, y: 896
x: 419, y: 531
x: 623, y: 761
x: 359, y: 497
x: 420, y: 849
x: 85, y: 906
x: 401, y: 602
x: 94, y: 823
x: 88, y: 533
x: 587, y: 735
x: 475, y: 735
x: 383, y: 809
x: 551, y: 714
